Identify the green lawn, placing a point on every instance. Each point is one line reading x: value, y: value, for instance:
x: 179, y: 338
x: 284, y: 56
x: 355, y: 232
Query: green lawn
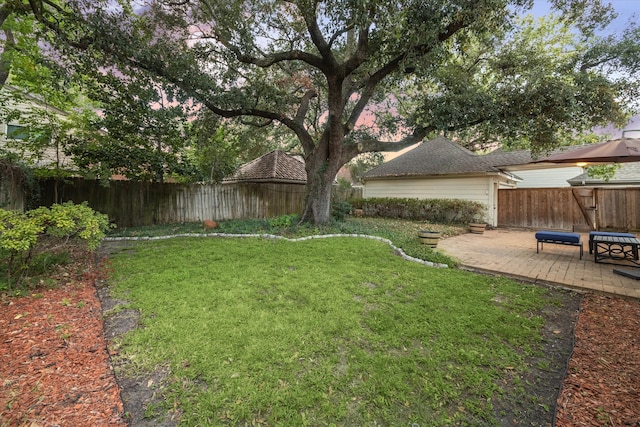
x: 336, y: 331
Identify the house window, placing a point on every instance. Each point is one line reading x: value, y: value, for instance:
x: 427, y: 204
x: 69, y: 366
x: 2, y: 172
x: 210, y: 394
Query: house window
x: 17, y: 132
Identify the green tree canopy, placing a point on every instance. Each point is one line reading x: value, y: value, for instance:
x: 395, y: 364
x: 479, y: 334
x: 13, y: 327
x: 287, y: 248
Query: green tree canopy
x: 107, y: 121
x: 349, y: 77
x: 141, y: 132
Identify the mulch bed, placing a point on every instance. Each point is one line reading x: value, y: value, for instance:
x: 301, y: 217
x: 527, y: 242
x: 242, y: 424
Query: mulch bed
x: 602, y: 385
x: 55, y: 367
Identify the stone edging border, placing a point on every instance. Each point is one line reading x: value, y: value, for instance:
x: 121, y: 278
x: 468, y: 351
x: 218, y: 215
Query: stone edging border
x: 300, y: 239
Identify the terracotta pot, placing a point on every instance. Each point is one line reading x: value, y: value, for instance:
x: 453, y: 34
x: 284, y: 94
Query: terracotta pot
x: 209, y: 224
x: 429, y: 238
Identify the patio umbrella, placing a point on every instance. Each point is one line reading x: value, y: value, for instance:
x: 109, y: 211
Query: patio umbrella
x: 615, y: 151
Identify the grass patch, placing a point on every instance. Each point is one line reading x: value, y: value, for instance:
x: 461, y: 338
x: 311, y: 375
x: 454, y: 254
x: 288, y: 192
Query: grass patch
x: 322, y: 332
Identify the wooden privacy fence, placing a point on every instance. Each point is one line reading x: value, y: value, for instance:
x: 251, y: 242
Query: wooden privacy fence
x: 12, y: 197
x: 570, y: 208
x: 131, y: 203
x: 138, y: 203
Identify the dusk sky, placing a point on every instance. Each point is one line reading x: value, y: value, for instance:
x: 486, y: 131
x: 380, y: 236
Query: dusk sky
x: 626, y: 10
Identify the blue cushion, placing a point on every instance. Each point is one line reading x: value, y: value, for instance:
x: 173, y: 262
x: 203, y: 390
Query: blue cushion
x: 560, y: 236
x: 605, y: 233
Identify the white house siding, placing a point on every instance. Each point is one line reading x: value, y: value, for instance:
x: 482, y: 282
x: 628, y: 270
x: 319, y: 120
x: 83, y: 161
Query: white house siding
x: 546, y: 178
x: 481, y: 189
x: 50, y: 155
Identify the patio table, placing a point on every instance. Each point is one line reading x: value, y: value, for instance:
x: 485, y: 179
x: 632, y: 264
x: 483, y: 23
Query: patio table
x: 616, y: 250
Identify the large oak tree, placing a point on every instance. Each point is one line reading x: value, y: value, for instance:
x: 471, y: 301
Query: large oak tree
x: 353, y: 76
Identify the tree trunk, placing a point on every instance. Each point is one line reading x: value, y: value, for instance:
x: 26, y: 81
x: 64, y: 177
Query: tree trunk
x: 320, y: 176
x: 317, y: 208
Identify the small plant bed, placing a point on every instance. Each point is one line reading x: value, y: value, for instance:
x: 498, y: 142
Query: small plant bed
x: 290, y: 226
x: 402, y: 233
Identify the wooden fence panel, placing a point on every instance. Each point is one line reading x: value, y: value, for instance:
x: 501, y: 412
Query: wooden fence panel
x: 559, y: 208
x: 12, y: 196
x: 137, y: 203
x: 552, y: 208
x: 633, y: 209
x: 12, y: 190
x: 619, y: 209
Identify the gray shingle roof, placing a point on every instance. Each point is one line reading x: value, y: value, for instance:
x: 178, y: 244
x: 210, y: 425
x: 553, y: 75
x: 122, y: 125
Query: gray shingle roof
x: 441, y: 156
x: 276, y: 166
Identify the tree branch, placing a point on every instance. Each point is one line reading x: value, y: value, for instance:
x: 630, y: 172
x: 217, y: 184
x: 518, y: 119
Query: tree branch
x: 5, y: 60
x: 588, y: 65
x: 339, y: 33
x: 6, y: 10
x: 303, y: 109
x: 268, y: 59
x: 360, y: 54
x: 271, y: 59
x: 370, y: 145
x: 362, y: 47
x: 37, y: 7
x: 318, y: 40
x: 374, y: 145
x: 392, y: 66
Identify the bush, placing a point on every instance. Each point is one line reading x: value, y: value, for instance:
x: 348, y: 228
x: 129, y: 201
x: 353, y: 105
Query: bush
x: 23, y: 236
x: 340, y: 210
x: 284, y: 221
x: 446, y: 211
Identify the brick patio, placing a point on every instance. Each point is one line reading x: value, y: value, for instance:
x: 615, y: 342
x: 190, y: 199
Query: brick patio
x: 512, y: 253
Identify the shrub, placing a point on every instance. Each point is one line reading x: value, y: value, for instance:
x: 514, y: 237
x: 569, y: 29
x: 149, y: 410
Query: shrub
x: 447, y: 211
x: 71, y: 222
x: 340, y: 210
x: 24, y: 235
x: 284, y: 221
